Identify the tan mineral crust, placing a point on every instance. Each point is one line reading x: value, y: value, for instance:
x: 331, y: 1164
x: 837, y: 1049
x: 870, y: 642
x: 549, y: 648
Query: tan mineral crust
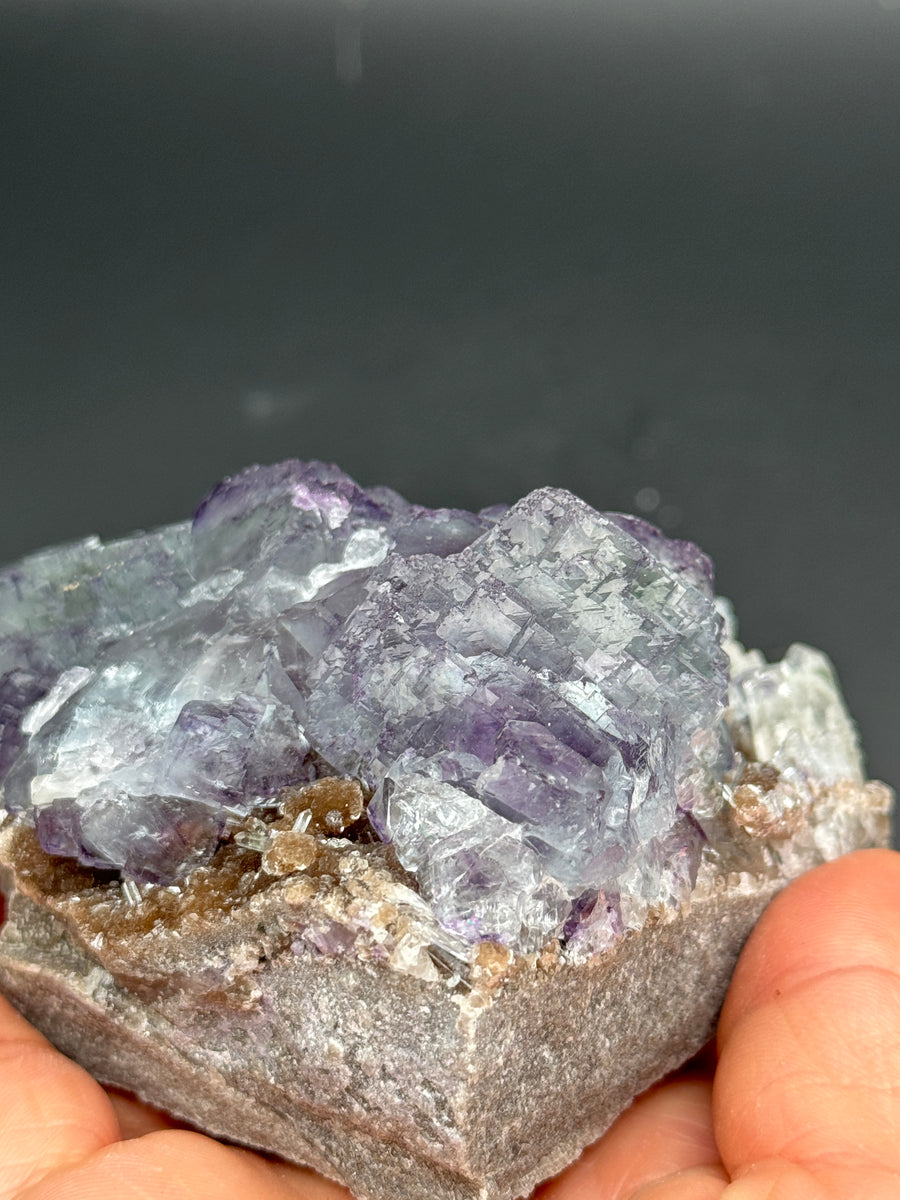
x: 295, y: 995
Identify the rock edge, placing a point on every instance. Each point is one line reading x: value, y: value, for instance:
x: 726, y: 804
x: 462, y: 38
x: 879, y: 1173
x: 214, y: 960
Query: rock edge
x: 320, y: 1021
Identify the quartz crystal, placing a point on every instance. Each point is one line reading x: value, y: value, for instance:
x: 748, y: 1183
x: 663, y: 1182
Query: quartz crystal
x: 534, y: 697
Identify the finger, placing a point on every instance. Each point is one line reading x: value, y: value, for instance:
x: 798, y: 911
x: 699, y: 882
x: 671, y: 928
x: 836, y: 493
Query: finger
x: 136, y: 1118
x: 846, y: 912
x: 52, y: 1113
x: 807, y: 1095
x: 776, y: 1179
x: 667, y: 1131
x: 701, y: 1183
x: 182, y: 1165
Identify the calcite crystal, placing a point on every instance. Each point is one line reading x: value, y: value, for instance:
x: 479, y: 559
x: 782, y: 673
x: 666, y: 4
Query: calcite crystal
x: 332, y: 820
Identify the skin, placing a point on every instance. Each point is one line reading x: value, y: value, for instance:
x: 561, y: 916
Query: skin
x: 798, y: 1100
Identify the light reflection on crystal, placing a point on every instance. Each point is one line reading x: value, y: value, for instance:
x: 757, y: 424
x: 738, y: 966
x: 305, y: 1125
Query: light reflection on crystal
x: 535, y: 694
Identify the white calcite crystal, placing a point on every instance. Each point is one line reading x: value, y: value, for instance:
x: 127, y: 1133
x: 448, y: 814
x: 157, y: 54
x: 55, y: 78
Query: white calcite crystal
x: 329, y: 816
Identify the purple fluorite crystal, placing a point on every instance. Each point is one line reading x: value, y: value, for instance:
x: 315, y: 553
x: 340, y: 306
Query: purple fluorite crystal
x: 535, y: 695
x: 562, y: 681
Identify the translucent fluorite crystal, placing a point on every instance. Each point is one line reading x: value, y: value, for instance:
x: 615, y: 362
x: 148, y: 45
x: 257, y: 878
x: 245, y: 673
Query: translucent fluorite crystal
x: 555, y: 689
x: 535, y: 697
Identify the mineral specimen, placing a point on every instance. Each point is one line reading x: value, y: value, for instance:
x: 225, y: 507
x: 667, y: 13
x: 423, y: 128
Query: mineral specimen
x: 349, y: 807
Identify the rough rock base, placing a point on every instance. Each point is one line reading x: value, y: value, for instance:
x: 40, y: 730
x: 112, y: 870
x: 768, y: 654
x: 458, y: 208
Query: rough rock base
x: 399, y: 1081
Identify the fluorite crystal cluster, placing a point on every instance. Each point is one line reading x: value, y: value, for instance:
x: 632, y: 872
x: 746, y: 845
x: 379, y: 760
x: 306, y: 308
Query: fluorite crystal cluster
x: 331, y: 816
x: 533, y: 697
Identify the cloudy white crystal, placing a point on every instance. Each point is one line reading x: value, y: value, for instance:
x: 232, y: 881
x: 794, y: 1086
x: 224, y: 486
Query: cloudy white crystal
x: 795, y: 716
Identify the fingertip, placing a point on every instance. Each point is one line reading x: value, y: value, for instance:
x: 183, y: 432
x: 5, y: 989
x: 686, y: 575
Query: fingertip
x: 845, y: 913
x: 53, y: 1112
x: 194, y: 1165
x: 809, y: 1038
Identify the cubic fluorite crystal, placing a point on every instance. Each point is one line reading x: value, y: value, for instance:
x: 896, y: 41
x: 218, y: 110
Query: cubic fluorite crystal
x: 535, y: 696
x: 434, y: 749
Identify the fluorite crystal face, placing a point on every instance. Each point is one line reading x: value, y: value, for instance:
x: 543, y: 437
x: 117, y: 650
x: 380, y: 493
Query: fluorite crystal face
x: 555, y: 689
x: 534, y: 697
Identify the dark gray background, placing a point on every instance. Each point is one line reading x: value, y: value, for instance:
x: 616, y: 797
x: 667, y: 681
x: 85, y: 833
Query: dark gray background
x: 648, y: 251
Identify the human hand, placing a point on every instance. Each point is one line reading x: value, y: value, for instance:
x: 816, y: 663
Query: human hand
x: 800, y: 1098
x: 801, y: 1101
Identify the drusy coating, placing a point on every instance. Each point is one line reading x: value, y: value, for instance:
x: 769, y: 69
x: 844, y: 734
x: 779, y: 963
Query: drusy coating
x: 534, y: 695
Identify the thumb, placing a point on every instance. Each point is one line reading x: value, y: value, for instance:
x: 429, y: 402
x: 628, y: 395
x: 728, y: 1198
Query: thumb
x: 52, y: 1114
x: 807, y: 1094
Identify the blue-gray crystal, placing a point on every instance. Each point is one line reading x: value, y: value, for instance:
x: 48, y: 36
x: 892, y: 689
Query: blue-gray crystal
x: 562, y: 678
x: 533, y: 695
